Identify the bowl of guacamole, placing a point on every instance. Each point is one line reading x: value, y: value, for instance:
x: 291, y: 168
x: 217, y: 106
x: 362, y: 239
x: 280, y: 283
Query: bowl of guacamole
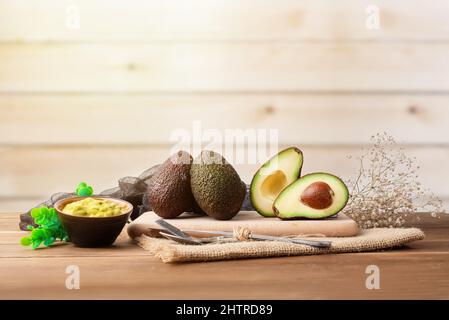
x: 93, y: 221
x: 95, y: 208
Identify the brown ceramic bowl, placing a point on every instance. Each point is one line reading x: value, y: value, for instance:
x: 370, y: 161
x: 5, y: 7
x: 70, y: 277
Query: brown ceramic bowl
x: 92, y: 232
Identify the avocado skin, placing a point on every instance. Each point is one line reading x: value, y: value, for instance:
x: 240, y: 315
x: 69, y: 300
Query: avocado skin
x: 216, y: 186
x: 170, y: 194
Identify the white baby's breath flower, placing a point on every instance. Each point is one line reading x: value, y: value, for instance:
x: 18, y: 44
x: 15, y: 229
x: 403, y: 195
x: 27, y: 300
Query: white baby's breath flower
x: 386, y: 189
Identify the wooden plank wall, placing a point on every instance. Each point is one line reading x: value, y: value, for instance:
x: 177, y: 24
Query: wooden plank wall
x: 100, y: 101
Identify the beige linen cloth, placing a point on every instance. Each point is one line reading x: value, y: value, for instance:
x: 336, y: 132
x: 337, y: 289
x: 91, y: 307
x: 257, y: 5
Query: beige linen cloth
x: 367, y: 240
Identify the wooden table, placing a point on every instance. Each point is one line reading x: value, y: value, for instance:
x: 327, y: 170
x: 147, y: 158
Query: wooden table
x: 125, y: 271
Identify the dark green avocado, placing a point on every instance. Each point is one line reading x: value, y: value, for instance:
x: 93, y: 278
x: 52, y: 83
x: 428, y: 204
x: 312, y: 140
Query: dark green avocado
x: 216, y: 186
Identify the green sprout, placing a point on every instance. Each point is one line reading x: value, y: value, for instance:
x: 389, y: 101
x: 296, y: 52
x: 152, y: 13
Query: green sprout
x: 83, y: 190
x: 48, y: 231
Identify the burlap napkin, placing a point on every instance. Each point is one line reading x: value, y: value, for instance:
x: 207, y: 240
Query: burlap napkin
x: 368, y: 240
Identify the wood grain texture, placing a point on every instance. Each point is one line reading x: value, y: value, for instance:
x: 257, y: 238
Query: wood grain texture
x: 39, y: 171
x: 222, y: 20
x: 218, y: 67
x: 417, y: 271
x: 311, y: 69
x: 341, y: 226
x: 152, y: 119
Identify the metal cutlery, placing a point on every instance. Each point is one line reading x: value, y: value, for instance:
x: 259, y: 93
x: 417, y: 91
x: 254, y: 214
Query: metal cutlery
x: 313, y: 243
x: 193, y: 241
x: 180, y: 239
x: 177, y: 235
x: 172, y: 229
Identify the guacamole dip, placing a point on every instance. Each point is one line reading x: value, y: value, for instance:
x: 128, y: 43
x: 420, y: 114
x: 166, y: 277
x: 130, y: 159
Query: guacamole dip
x: 90, y: 207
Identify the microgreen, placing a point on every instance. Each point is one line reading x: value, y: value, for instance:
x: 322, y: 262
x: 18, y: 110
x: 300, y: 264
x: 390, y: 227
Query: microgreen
x: 84, y: 190
x: 48, y: 231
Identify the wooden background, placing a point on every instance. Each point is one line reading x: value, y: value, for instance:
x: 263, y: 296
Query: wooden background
x: 99, y: 102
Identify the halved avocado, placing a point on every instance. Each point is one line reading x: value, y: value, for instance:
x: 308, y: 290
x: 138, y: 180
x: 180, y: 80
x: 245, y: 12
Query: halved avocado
x: 313, y: 196
x: 276, y: 174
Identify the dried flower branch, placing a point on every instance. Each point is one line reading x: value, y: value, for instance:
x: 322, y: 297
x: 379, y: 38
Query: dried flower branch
x: 386, y: 188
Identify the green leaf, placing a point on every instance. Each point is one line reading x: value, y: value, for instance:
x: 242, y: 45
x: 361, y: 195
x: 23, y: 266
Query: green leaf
x: 25, y: 241
x: 82, y: 185
x: 49, y: 241
x: 49, y: 228
x: 35, y: 212
x: 84, y: 190
x: 40, y: 215
x: 38, y: 233
x: 36, y: 244
x: 44, y: 211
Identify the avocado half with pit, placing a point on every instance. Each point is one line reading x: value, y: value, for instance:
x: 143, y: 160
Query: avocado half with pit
x: 276, y: 174
x: 313, y: 196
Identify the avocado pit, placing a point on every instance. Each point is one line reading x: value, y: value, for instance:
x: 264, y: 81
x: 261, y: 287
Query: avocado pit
x: 317, y: 195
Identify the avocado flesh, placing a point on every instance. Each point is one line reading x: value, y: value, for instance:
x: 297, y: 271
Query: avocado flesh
x: 276, y: 174
x: 216, y: 186
x: 288, y: 204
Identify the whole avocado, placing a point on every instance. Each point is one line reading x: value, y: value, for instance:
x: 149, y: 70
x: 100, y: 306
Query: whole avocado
x: 170, y: 194
x: 216, y: 186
